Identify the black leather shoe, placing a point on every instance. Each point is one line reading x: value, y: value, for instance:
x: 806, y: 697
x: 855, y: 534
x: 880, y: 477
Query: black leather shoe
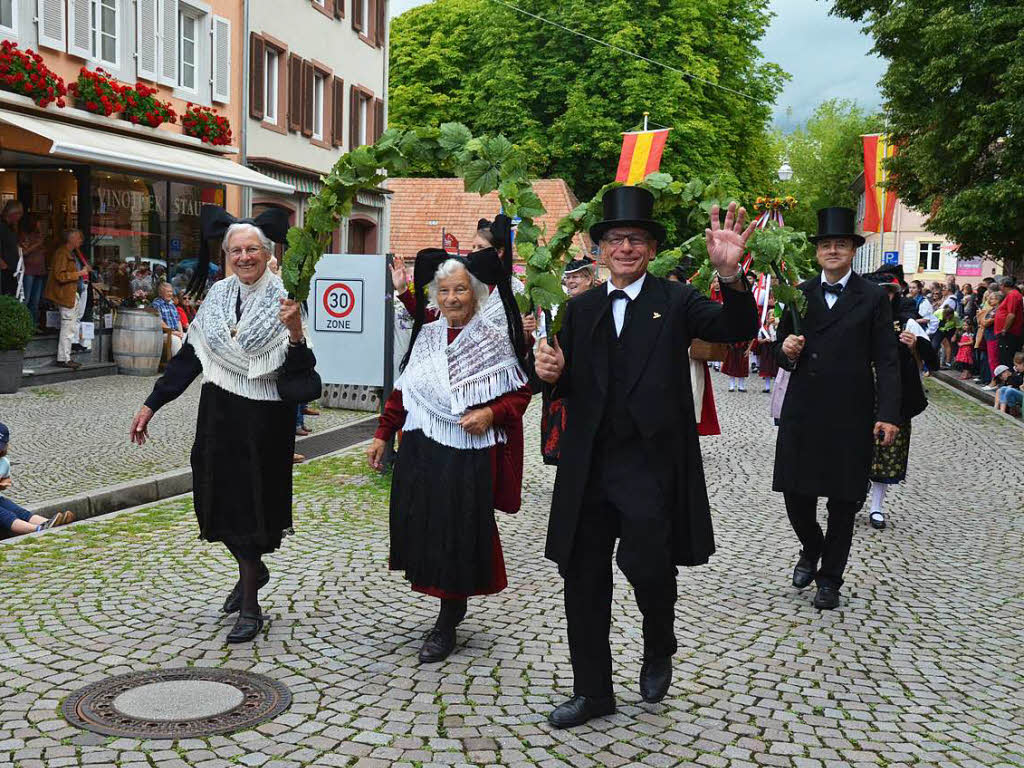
x: 437, y: 645
x: 245, y: 629
x: 877, y: 520
x: 234, y: 598
x: 804, y: 572
x: 826, y: 598
x: 655, y: 678
x: 581, y: 709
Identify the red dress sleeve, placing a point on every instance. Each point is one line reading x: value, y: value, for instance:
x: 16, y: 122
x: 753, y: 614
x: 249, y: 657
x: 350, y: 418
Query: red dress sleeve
x: 511, y: 406
x: 392, y: 419
x: 408, y: 298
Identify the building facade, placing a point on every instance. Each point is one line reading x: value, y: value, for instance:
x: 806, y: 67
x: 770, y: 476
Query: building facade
x: 924, y: 255
x: 316, y: 87
x: 134, y: 190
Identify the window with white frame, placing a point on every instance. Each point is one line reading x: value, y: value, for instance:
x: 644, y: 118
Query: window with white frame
x: 272, y: 61
x: 188, y: 49
x: 318, y: 106
x: 104, y: 26
x: 930, y: 257
x: 9, y: 16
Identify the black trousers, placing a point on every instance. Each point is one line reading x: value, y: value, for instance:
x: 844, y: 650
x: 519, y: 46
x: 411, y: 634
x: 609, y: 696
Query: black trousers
x: 831, y: 547
x: 624, y: 501
x: 1009, y: 345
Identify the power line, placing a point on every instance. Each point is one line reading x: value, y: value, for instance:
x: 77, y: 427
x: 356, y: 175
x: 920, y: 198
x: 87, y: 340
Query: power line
x: 670, y: 68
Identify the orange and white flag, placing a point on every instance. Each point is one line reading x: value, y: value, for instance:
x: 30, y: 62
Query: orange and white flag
x: 880, y: 205
x: 641, y: 155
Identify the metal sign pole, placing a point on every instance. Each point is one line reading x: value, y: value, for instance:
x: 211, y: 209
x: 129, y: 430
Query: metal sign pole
x: 389, y: 349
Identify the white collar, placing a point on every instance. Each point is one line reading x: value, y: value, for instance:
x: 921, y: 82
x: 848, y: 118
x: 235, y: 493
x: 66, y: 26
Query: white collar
x: 842, y: 281
x: 632, y: 290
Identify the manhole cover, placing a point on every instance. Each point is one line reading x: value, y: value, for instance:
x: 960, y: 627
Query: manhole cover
x: 176, y: 703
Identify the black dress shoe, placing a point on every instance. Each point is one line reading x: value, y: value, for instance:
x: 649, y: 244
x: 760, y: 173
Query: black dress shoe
x: 804, y: 572
x: 437, y: 645
x: 234, y: 598
x: 877, y: 520
x: 581, y: 709
x: 77, y: 348
x: 655, y: 678
x: 245, y: 629
x: 826, y: 598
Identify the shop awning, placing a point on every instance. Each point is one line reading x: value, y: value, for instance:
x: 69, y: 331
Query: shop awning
x: 92, y: 145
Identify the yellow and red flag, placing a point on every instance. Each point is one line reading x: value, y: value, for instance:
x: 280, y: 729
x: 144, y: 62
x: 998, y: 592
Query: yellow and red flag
x: 880, y: 205
x: 641, y: 155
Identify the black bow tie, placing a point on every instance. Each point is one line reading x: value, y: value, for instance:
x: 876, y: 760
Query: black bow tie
x: 618, y: 293
x: 836, y: 289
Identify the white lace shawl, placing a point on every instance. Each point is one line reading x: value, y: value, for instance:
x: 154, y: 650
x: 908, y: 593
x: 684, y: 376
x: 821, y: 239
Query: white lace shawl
x: 444, y: 380
x: 244, y: 362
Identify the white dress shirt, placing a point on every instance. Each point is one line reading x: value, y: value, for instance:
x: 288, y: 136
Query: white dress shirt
x: 619, y: 305
x: 831, y: 298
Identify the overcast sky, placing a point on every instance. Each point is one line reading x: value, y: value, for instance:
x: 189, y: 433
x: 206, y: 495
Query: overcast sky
x: 827, y: 57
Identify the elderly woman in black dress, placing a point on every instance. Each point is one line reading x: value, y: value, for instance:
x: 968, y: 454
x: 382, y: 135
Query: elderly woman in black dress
x: 246, y: 341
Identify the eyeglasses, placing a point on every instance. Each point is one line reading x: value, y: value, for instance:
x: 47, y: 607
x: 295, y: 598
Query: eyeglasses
x: 634, y: 240
x: 252, y: 250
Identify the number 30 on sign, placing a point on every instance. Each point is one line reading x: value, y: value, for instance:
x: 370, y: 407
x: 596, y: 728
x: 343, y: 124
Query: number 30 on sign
x: 339, y: 305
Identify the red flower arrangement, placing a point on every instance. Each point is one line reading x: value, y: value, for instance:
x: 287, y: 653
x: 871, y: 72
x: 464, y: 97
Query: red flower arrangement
x: 203, y: 123
x: 24, y: 72
x: 98, y: 92
x: 141, y: 108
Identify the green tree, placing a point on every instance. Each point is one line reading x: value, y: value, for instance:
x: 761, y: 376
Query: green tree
x: 826, y: 154
x: 954, y: 100
x: 565, y: 100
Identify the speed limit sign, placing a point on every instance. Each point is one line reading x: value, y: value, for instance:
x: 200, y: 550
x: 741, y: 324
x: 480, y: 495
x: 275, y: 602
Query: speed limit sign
x: 339, y: 305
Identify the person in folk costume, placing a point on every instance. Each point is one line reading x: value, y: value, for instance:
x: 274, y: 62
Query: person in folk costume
x: 889, y: 463
x: 843, y: 394
x: 704, y: 409
x: 246, y: 340
x: 579, y: 276
x: 764, y: 345
x: 631, y: 465
x: 737, y: 365
x: 461, y: 391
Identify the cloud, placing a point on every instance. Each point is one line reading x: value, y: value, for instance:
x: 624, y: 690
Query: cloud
x: 827, y: 57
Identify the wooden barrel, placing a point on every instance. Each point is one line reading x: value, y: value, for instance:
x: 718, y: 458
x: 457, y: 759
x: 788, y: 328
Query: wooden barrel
x: 138, y: 341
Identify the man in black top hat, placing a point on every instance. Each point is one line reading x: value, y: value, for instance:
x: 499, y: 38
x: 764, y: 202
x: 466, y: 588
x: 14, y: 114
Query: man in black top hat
x: 843, y: 358
x: 630, y: 465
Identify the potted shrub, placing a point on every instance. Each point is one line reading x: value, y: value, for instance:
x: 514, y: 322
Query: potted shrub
x: 97, y: 92
x: 16, y: 331
x: 203, y: 123
x: 141, y: 107
x: 25, y: 72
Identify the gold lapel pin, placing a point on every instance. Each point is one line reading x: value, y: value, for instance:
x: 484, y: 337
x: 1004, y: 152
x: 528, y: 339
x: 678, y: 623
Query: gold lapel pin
x: 657, y: 315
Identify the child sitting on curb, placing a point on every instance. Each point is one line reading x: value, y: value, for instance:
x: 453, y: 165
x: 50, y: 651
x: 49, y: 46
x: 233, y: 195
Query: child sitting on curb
x: 1011, y: 383
x: 14, y: 518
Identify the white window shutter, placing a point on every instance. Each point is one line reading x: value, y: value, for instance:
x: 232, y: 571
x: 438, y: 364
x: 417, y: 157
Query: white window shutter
x: 51, y: 19
x: 220, y: 69
x: 950, y: 259
x: 80, y: 28
x: 147, y: 26
x: 169, y: 42
x: 910, y: 257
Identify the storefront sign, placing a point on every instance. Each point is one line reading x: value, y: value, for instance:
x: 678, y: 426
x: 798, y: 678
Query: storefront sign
x: 347, y: 305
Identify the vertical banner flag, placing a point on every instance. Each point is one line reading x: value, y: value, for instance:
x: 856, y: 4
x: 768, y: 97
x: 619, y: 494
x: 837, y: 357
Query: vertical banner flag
x: 879, y: 206
x: 641, y: 155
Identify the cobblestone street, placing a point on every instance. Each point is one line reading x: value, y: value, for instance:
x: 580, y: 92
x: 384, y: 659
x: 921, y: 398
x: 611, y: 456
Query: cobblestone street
x: 921, y: 665
x: 73, y: 437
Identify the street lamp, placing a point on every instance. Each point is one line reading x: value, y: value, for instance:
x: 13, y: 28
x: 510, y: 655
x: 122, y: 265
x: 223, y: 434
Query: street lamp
x: 785, y: 171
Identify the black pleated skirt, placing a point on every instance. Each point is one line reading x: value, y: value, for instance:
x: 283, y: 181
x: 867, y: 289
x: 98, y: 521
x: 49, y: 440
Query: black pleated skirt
x: 442, y: 516
x: 242, y: 471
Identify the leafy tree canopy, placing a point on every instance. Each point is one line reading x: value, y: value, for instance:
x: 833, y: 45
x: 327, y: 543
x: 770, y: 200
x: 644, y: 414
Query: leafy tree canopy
x: 954, y: 94
x: 565, y: 101
x: 827, y: 155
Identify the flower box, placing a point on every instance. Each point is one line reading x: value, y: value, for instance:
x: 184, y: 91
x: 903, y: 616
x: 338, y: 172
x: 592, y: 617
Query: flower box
x: 205, y: 124
x: 25, y: 72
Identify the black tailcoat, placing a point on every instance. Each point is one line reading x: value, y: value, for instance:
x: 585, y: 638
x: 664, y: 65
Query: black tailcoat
x: 825, y: 436
x: 664, y: 318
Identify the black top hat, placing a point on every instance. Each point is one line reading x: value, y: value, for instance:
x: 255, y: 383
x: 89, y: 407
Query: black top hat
x: 577, y: 264
x: 837, y: 222
x: 896, y: 270
x: 628, y: 207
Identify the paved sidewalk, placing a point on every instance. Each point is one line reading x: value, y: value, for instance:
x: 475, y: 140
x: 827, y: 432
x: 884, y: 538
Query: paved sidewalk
x: 920, y: 666
x: 73, y: 437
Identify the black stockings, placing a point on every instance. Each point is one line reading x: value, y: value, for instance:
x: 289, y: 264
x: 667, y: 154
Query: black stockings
x: 452, y: 613
x: 249, y: 572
